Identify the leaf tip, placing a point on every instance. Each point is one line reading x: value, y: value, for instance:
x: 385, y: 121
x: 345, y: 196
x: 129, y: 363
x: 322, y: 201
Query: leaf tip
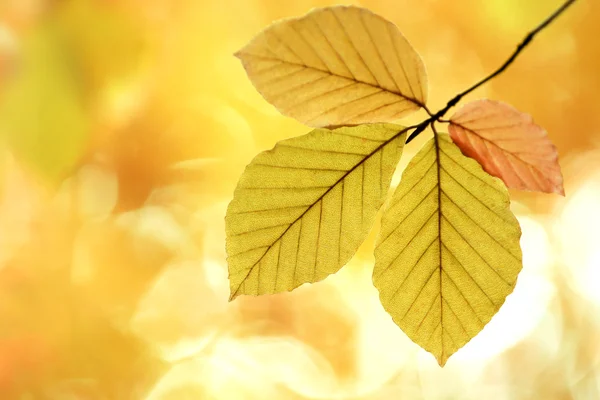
x: 233, y: 292
x: 442, y: 360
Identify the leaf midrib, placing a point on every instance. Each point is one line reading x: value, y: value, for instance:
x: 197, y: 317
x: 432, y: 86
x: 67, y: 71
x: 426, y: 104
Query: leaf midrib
x: 439, y: 187
x: 331, y: 73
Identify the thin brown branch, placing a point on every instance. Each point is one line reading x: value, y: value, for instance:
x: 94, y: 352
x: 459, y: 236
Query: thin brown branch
x: 526, y: 41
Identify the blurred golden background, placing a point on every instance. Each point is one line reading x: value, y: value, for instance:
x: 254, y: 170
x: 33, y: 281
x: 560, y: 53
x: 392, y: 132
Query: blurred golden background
x: 124, y: 125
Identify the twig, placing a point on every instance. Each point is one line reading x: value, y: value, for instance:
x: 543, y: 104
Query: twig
x: 438, y: 115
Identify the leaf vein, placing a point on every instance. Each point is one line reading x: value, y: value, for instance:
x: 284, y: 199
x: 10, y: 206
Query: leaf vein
x: 469, y: 275
x: 475, y: 197
x: 476, y: 252
x: 479, y: 226
x: 407, y: 215
x: 407, y: 244
x: 470, y: 173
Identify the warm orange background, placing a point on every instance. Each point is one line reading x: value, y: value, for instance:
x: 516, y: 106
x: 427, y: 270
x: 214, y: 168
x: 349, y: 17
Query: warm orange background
x: 124, y: 125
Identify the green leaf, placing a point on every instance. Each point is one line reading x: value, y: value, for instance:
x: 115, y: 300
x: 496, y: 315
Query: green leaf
x: 301, y: 210
x: 41, y: 113
x: 448, y: 252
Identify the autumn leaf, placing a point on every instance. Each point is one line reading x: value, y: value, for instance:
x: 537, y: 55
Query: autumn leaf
x: 301, y: 210
x: 509, y: 145
x: 448, y: 252
x: 337, y: 66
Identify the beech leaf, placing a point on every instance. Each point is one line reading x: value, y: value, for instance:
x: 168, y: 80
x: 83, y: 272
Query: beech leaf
x: 338, y: 65
x: 448, y: 252
x: 509, y: 145
x: 301, y: 210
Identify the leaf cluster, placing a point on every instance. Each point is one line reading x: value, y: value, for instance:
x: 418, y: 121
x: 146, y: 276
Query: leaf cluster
x: 448, y: 253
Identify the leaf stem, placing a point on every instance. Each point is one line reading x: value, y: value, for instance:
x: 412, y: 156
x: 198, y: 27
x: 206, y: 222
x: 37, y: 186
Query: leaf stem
x: 427, y: 110
x: 454, y: 101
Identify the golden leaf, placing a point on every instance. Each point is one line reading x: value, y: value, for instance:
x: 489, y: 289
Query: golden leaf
x: 301, y: 210
x: 448, y: 252
x: 337, y: 66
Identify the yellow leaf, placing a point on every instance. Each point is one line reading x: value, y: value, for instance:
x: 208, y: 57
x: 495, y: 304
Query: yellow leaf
x: 448, y: 252
x: 337, y: 66
x: 301, y: 210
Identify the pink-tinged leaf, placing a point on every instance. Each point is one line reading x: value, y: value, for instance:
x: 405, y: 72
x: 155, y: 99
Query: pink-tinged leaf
x: 508, y: 145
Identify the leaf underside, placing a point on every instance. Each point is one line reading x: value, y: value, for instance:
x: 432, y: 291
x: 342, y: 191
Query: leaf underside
x: 301, y: 210
x: 448, y: 252
x: 340, y: 65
